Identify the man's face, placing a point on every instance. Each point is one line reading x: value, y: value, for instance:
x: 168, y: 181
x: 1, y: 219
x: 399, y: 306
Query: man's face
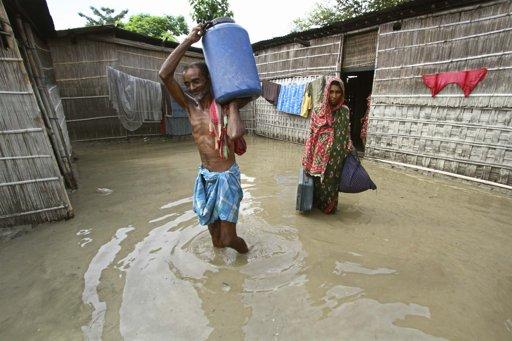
x: 197, y: 84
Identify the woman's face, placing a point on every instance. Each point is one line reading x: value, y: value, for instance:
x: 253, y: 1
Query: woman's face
x: 335, y: 94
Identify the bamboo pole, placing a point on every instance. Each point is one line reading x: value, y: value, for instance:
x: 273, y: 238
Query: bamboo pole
x: 33, y: 212
x: 69, y: 176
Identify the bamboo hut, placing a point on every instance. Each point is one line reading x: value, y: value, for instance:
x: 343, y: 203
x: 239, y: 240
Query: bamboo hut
x: 81, y: 57
x: 35, y: 150
x: 385, y: 54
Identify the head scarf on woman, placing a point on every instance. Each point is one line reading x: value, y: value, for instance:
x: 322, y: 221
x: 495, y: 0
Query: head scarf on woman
x: 319, y: 142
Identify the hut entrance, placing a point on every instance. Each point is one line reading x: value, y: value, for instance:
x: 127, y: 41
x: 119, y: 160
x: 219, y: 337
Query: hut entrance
x: 358, y: 87
x: 357, y: 69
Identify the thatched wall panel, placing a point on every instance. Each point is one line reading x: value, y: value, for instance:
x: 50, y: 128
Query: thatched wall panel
x: 26, y: 169
x: 10, y: 77
x: 85, y: 87
x: 322, y: 56
x: 471, y: 135
x: 359, y: 50
x: 491, y: 85
x: 101, y: 128
x: 23, y: 144
x: 147, y: 129
x: 79, y: 51
x: 278, y: 125
x: 81, y: 70
x: 247, y: 115
x: 84, y: 108
x: 25, y: 150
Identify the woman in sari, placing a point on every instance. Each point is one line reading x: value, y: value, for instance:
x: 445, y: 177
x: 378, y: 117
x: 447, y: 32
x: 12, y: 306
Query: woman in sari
x: 327, y: 145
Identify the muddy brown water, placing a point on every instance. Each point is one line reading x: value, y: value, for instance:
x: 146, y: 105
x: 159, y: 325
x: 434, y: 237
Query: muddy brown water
x: 421, y: 258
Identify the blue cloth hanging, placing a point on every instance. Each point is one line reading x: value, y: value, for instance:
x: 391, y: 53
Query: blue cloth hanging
x: 290, y: 98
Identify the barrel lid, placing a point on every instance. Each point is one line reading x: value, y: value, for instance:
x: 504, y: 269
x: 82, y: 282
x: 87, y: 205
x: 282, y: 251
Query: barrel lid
x: 220, y: 20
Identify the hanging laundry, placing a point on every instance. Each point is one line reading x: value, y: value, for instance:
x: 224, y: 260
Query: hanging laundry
x: 134, y: 99
x: 312, y: 96
x: 467, y: 80
x: 270, y: 91
x: 290, y: 98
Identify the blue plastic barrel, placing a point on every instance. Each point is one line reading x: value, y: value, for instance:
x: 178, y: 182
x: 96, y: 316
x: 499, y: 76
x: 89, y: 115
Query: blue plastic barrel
x: 229, y: 56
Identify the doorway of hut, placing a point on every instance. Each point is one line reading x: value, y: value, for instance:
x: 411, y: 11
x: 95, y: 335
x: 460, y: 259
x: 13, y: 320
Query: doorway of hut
x: 358, y: 86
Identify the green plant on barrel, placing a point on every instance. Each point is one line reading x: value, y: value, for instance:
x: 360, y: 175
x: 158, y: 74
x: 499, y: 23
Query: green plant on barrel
x: 206, y: 10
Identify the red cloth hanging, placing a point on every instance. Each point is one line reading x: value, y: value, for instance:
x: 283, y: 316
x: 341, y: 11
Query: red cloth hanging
x: 467, y: 80
x: 218, y: 128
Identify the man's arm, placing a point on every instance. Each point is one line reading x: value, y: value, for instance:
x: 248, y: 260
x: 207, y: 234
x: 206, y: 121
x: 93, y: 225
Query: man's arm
x: 235, y: 127
x: 168, y: 68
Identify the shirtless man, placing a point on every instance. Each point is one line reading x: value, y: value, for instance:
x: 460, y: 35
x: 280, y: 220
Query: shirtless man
x: 217, y: 192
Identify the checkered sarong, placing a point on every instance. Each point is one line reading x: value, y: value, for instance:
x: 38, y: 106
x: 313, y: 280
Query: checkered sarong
x: 217, y: 195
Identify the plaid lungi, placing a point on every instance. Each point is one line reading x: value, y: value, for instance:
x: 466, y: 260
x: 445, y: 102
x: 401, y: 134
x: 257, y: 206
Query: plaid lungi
x: 217, y: 195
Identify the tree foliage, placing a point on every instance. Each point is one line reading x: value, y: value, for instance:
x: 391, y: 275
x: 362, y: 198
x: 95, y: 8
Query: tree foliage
x: 104, y: 16
x: 206, y: 10
x: 165, y: 27
x: 338, y: 10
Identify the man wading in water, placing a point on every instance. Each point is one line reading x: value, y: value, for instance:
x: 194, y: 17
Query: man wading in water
x: 217, y: 191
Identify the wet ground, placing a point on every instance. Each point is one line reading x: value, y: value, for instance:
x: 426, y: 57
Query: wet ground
x: 421, y: 258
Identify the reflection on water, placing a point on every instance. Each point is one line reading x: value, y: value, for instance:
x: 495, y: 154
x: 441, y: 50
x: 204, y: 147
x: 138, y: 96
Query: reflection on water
x: 160, y: 300
x: 167, y: 272
x: 106, y: 254
x: 349, y: 267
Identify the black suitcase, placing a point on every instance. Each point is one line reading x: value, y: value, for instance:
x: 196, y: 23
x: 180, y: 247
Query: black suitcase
x: 304, y: 192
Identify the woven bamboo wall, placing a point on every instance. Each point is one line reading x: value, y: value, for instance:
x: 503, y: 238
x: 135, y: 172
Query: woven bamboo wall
x: 31, y: 186
x: 359, y: 50
x: 80, y: 66
x: 470, y: 136
x: 293, y: 63
x: 321, y: 57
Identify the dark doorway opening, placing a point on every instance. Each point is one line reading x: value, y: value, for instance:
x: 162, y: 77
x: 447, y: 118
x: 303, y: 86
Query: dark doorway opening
x: 358, y: 86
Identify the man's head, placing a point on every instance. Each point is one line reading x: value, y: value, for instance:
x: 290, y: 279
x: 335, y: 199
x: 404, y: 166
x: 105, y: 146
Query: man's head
x: 197, y: 80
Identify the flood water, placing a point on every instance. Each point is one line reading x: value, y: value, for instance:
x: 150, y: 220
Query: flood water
x: 421, y: 258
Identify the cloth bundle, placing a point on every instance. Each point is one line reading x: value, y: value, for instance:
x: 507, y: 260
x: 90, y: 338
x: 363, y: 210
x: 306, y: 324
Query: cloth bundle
x: 354, y: 178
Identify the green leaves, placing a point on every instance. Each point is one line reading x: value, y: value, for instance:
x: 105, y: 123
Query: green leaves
x: 104, y: 16
x: 165, y: 27
x: 338, y: 10
x: 206, y: 10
